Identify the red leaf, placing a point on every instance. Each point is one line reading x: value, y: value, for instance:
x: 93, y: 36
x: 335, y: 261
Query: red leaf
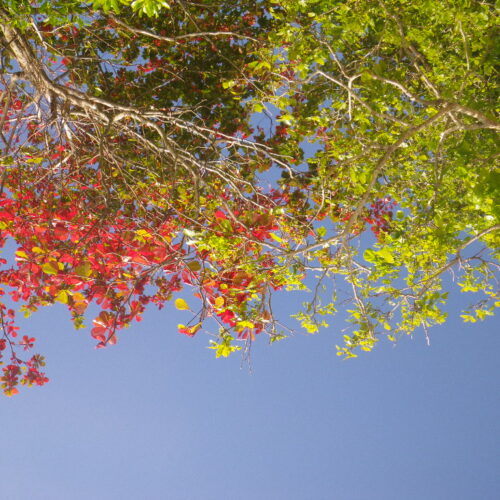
x: 60, y: 232
x: 219, y: 214
x: 98, y: 332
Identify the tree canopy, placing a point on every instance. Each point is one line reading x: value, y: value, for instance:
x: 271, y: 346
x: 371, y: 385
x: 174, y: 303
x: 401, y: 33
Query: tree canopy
x: 239, y: 149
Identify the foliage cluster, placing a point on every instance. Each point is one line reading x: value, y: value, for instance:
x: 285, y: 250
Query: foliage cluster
x: 239, y: 148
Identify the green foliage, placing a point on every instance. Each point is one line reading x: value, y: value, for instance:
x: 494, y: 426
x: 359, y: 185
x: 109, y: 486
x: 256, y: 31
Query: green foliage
x: 399, y: 99
x: 224, y: 347
x: 54, y: 12
x: 150, y: 8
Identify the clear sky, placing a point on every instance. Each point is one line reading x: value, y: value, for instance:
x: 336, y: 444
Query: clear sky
x: 158, y: 417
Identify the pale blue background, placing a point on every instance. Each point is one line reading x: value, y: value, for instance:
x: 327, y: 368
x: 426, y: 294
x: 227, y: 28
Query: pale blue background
x: 158, y: 417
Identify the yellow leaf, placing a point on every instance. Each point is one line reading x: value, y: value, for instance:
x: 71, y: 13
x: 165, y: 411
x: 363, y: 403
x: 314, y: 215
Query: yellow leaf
x: 244, y: 324
x: 195, y: 328
x: 276, y: 237
x: 83, y: 270
x: 50, y: 268
x: 142, y: 233
x: 20, y: 254
x: 219, y: 302
x: 181, y: 304
x: 62, y: 297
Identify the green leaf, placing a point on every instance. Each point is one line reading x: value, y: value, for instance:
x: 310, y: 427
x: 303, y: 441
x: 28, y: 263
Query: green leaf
x: 224, y: 348
x: 386, y: 254
x: 228, y: 84
x: 370, y: 256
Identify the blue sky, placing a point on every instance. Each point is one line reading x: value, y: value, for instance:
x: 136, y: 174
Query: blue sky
x: 158, y: 417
